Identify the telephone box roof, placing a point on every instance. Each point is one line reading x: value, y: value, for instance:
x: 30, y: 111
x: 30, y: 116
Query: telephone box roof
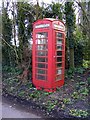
x: 48, y: 19
x: 51, y: 19
x: 47, y: 22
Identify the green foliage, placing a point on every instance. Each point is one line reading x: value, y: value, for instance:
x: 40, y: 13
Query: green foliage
x: 70, y: 16
x: 32, y: 95
x: 59, y: 100
x: 78, y: 54
x: 79, y: 113
x: 88, y: 80
x: 79, y: 70
x: 82, y: 83
x: 6, y: 26
x: 51, y: 105
x: 86, y: 63
x: 24, y: 21
x: 70, y: 72
x: 53, y: 10
x: 6, y: 35
x: 75, y: 95
x: 84, y: 91
x: 12, y: 70
x: 83, y: 44
x: 79, y: 36
x: 21, y: 93
x: 70, y: 24
x: 80, y: 47
x: 47, y: 93
x: 67, y: 101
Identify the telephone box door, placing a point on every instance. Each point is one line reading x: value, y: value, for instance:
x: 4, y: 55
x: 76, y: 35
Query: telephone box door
x: 59, y: 56
x: 41, y: 57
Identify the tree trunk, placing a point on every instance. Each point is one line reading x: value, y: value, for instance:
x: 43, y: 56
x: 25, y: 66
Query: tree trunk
x: 14, y: 31
x: 14, y: 24
x: 72, y: 58
x: 71, y: 47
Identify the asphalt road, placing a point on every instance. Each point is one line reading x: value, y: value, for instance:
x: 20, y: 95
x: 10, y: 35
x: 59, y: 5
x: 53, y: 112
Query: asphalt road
x: 12, y: 110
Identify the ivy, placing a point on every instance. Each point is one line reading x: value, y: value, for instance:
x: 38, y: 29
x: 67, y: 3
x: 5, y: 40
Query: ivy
x: 70, y: 22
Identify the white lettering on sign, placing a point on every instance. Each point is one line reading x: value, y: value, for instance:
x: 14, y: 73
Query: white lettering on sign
x: 59, y: 26
x: 42, y: 26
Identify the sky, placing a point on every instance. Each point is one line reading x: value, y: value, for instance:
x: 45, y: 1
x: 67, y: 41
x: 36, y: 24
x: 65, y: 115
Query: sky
x: 46, y: 1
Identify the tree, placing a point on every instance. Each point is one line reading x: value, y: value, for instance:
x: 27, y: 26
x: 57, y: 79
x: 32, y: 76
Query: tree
x: 6, y: 35
x: 24, y: 22
x: 53, y: 10
x: 84, y: 10
x: 38, y: 11
x: 70, y: 24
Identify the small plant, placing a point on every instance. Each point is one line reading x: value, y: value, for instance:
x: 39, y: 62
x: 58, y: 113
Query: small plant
x: 10, y: 81
x: 67, y: 100
x: 35, y: 94
x: 75, y: 95
x: 70, y: 73
x: 84, y: 91
x: 16, y: 80
x: 32, y: 95
x: 46, y: 93
x: 82, y: 83
x: 29, y: 85
x: 88, y: 80
x: 80, y: 70
x: 51, y: 105
x: 21, y: 93
x: 79, y: 113
x: 86, y: 63
x: 43, y: 93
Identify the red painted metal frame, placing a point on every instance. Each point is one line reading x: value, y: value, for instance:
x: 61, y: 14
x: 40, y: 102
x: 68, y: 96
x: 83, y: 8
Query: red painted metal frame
x: 51, y: 83
x: 58, y: 83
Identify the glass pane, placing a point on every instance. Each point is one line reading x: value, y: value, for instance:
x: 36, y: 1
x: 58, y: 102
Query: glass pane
x: 59, y: 47
x: 42, y: 41
x: 58, y: 77
x: 42, y: 35
x: 59, y: 59
x: 41, y: 47
x: 59, y: 71
x: 42, y: 71
x: 40, y: 65
x: 59, y: 53
x: 41, y: 59
x: 42, y: 53
x: 59, y: 35
x: 59, y: 41
x: 41, y: 77
x: 59, y: 64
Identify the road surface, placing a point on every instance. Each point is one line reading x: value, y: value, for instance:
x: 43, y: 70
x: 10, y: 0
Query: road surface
x: 13, y: 110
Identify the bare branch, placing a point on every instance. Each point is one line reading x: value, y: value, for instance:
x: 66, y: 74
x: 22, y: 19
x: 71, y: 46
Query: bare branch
x: 10, y: 47
x: 80, y: 5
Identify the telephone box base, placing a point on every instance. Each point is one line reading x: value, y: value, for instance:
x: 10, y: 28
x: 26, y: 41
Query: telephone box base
x: 46, y: 89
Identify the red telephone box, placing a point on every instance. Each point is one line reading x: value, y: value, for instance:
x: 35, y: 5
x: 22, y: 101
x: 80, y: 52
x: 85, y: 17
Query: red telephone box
x: 48, y: 54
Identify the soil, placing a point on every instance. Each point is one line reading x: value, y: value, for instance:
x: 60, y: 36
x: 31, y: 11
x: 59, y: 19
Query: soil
x: 65, y: 103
